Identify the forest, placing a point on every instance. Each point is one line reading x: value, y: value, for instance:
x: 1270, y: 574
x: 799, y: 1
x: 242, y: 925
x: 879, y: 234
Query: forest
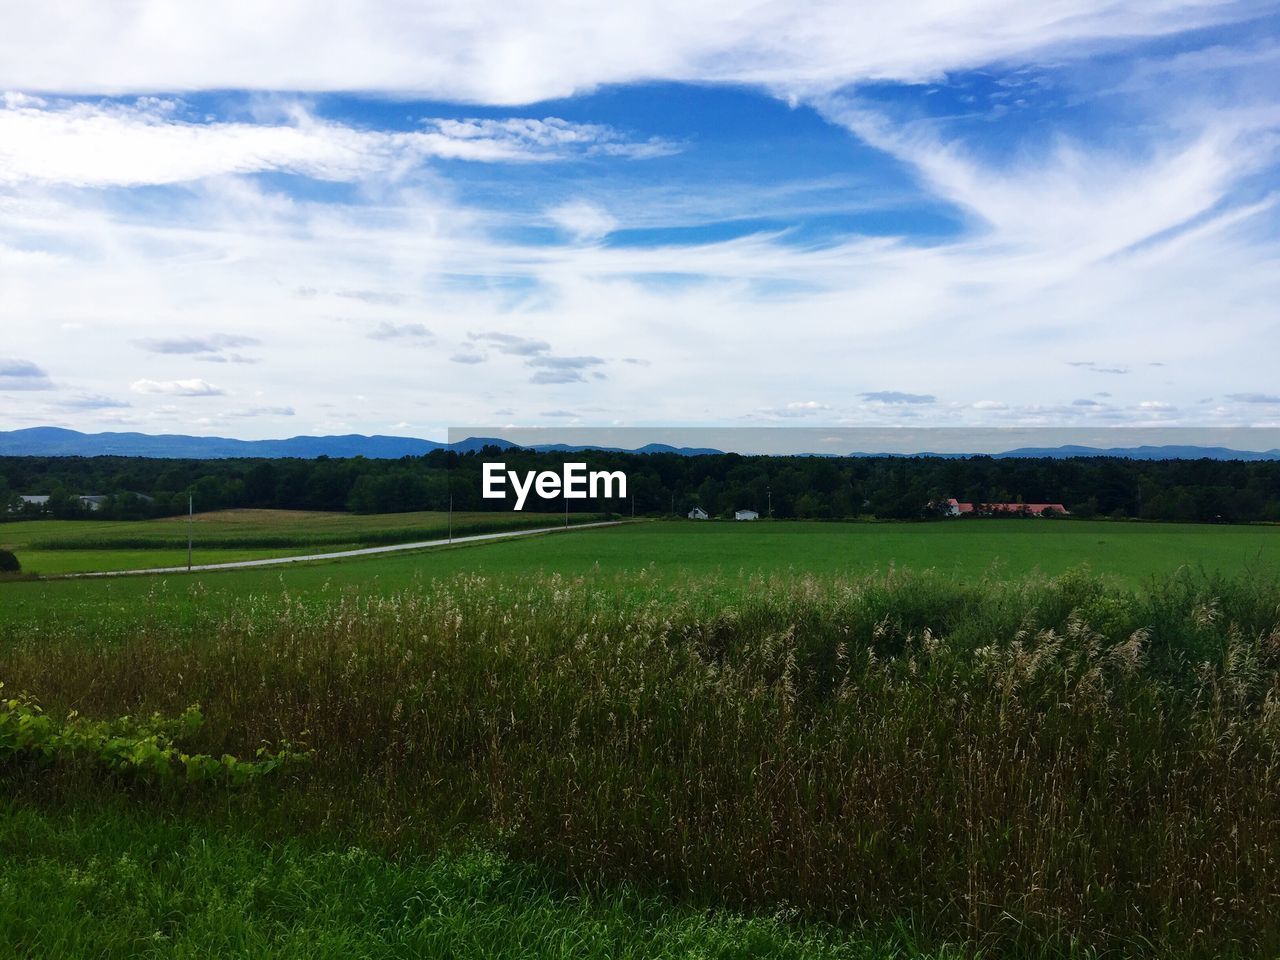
x: 898, y: 488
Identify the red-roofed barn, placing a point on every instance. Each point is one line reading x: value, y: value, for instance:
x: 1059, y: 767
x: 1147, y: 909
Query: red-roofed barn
x: 958, y: 509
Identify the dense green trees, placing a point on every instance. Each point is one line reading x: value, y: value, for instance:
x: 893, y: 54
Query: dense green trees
x: 804, y: 487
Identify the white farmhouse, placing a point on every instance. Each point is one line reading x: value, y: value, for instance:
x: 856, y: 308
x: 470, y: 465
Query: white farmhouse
x: 745, y: 515
x: 697, y: 513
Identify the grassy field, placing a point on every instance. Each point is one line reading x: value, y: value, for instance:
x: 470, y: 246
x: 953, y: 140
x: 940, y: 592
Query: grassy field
x: 114, y: 884
x: 51, y: 547
x: 925, y: 736
x: 1034, y: 768
x: 1129, y: 553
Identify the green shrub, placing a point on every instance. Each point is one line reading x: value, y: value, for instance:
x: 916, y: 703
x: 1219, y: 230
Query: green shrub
x: 9, y: 563
x: 147, y: 748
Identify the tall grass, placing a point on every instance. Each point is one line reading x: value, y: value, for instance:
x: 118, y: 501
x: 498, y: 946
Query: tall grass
x: 1036, y: 766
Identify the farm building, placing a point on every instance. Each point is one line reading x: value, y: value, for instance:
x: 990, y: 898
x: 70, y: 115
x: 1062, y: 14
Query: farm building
x: 745, y: 515
x: 90, y: 502
x: 697, y: 513
x: 957, y: 509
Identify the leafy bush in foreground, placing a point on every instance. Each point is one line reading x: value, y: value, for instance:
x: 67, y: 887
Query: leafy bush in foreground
x: 9, y: 563
x: 143, y: 747
x: 1052, y: 764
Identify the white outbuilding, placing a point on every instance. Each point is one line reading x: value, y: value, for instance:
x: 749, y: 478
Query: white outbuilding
x: 697, y: 513
x: 745, y: 515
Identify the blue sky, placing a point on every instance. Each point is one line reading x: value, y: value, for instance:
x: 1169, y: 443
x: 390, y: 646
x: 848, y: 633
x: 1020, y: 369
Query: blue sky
x: 398, y: 219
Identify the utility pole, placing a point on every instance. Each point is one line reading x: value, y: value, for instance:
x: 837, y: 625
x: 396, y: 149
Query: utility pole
x: 191, y: 513
x: 673, y: 504
x: 769, y: 493
x: 451, y: 518
x: 566, y: 511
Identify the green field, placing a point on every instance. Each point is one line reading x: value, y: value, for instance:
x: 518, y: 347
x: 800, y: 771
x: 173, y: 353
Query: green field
x: 51, y: 547
x: 956, y: 739
x: 1129, y: 553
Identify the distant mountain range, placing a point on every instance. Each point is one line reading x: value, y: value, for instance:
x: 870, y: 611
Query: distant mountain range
x: 58, y: 442
x: 1067, y: 451
x: 1168, y: 452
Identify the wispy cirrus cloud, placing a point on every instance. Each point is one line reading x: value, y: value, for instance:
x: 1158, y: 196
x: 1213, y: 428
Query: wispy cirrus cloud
x: 480, y: 56
x: 519, y: 138
x: 151, y: 141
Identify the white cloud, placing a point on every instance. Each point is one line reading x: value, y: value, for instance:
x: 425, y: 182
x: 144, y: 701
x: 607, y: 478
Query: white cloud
x: 1260, y: 398
x: 898, y: 397
x: 523, y: 138
x: 177, y: 388
x: 510, y: 343
x: 103, y: 144
x: 262, y: 412
x: 213, y: 343
x: 18, y: 374
x: 1069, y: 249
x: 797, y: 408
x: 1082, y: 204
x: 93, y: 402
x: 582, y: 220
x: 400, y: 331
x: 869, y: 310
x: 549, y: 369
x: 495, y: 53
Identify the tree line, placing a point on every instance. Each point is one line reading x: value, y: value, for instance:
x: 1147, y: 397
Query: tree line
x: 657, y: 484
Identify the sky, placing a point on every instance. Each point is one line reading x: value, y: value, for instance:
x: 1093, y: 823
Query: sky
x: 260, y: 221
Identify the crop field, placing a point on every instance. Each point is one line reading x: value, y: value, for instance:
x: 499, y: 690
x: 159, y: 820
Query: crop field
x: 947, y: 740
x: 1127, y: 553
x: 53, y: 547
